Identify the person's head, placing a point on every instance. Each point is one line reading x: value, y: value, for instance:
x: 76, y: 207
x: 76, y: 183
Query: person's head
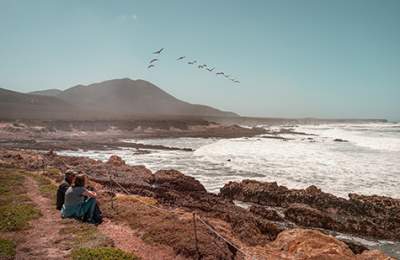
x: 70, y: 176
x: 80, y: 180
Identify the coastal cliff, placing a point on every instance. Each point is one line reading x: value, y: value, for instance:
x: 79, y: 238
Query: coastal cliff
x: 255, y: 231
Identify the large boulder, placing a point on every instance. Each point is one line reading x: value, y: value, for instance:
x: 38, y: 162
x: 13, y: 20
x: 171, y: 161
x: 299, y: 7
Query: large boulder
x: 306, y: 216
x: 115, y: 160
x: 312, y: 244
x: 177, y: 181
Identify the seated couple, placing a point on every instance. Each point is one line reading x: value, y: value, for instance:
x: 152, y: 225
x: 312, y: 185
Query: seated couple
x: 75, y: 200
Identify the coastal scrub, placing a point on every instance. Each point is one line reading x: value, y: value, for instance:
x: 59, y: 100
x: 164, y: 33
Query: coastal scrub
x: 46, y: 187
x: 106, y: 253
x: 16, y: 208
x: 7, y: 249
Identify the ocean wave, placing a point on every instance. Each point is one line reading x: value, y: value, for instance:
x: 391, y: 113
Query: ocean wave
x: 367, y: 164
x: 375, y: 137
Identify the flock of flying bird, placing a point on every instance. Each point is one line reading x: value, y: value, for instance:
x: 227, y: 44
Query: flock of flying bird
x: 153, y: 62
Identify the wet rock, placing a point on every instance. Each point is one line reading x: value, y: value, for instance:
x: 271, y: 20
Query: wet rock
x: 309, y: 217
x: 340, y: 140
x: 51, y: 153
x: 177, y: 181
x: 266, y: 213
x: 356, y: 248
x: 115, y: 160
x: 373, y: 216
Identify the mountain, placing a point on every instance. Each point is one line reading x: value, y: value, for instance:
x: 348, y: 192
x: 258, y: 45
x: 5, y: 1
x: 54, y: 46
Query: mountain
x: 124, y: 96
x: 49, y: 92
x: 15, y: 105
x: 118, y: 98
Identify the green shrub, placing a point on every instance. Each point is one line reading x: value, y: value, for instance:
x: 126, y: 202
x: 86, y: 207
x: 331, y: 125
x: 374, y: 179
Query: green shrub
x: 7, y: 249
x: 46, y: 187
x: 85, y: 235
x: 17, y: 217
x: 16, y: 209
x: 54, y: 173
x: 105, y: 253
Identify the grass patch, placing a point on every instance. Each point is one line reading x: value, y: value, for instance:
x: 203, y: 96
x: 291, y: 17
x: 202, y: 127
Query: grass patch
x: 16, y: 208
x: 46, y: 187
x: 54, y: 174
x: 84, y: 235
x: 7, y: 249
x: 17, y: 217
x: 106, y: 253
x: 136, y: 198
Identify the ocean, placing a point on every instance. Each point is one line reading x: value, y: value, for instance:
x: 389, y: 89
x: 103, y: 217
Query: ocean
x: 366, y: 159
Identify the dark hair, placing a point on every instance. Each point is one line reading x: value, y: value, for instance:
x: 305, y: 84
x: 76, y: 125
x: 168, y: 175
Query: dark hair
x: 70, y: 173
x: 80, y: 180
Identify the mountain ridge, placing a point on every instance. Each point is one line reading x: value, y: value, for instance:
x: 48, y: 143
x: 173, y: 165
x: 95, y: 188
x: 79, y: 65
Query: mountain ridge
x: 108, y: 99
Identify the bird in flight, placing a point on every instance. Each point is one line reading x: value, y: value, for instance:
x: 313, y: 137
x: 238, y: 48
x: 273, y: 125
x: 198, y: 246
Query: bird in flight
x: 159, y: 51
x: 181, y: 58
x: 150, y: 66
x: 210, y: 70
x: 153, y: 60
x: 192, y: 62
x: 219, y: 73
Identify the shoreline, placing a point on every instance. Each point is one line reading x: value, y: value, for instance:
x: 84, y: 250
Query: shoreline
x: 174, y: 189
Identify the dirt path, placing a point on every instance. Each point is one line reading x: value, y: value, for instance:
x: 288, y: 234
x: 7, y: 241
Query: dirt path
x: 43, y: 239
x: 127, y: 240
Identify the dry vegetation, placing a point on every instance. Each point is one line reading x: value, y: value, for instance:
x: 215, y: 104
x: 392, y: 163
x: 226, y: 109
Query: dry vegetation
x: 17, y: 210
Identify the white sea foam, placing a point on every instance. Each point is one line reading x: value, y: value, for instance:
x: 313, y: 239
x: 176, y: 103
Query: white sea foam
x: 384, y: 137
x: 367, y: 164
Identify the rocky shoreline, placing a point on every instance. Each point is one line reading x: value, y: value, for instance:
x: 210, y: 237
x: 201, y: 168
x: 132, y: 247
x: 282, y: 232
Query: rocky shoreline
x: 273, y: 218
x: 110, y: 135
x: 371, y: 216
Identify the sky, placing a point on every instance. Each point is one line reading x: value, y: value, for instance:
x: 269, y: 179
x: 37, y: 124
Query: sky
x: 298, y: 58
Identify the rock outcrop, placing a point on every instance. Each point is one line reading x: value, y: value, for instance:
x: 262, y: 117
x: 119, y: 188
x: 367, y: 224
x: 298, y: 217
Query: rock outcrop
x: 373, y: 216
x: 251, y: 228
x: 115, y: 160
x: 177, y: 181
x: 312, y: 244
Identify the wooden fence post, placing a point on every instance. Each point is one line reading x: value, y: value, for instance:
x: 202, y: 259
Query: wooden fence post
x: 195, y: 235
x: 112, y: 193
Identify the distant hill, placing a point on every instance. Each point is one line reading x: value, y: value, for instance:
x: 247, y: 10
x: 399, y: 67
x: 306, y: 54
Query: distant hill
x: 49, y: 92
x: 116, y: 98
x: 15, y: 105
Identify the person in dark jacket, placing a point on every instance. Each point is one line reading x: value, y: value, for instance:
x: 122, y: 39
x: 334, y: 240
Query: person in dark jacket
x: 67, y: 182
x: 80, y: 203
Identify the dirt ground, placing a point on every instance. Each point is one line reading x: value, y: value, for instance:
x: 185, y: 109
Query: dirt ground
x: 44, y: 238
x: 47, y: 239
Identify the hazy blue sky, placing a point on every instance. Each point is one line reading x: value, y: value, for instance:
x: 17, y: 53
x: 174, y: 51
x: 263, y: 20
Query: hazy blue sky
x: 294, y: 58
